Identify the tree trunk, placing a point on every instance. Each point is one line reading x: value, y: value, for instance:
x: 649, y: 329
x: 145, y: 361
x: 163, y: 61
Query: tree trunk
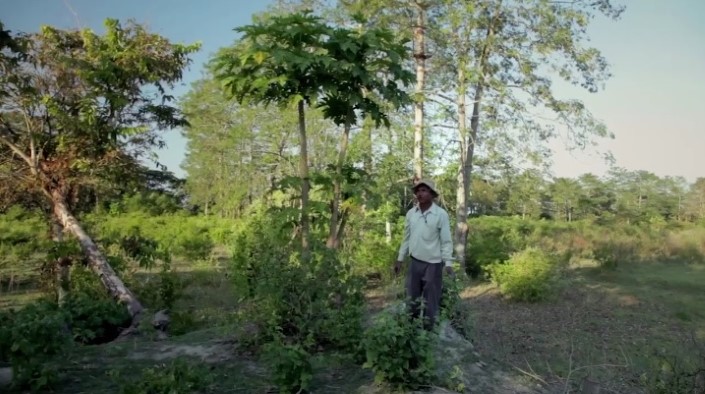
x: 305, y: 186
x: 388, y: 232
x: 420, y: 56
x: 333, y: 233
x: 467, y: 150
x: 63, y: 265
x: 464, y: 171
x: 96, y: 259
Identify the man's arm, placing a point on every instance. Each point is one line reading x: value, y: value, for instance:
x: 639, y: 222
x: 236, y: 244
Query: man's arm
x: 446, y: 240
x: 404, y: 248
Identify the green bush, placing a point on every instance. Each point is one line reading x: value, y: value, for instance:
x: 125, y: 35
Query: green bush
x: 31, y: 340
x: 529, y: 275
x: 372, y: 255
x: 176, y: 377
x: 494, y: 239
x: 457, y: 312
x: 610, y: 253
x: 291, y: 366
x: 24, y: 236
x: 176, y: 235
x: 399, y: 351
x: 320, y: 298
x: 95, y: 320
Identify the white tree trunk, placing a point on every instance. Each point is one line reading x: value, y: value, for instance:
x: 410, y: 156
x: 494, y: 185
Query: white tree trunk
x: 96, y: 259
x: 63, y: 267
x: 420, y: 56
x: 462, y: 193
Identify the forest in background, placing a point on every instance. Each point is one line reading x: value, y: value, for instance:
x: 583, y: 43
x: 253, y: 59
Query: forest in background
x: 304, y: 138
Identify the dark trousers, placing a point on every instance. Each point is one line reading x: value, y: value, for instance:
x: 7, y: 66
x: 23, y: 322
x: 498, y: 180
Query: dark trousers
x: 425, y: 281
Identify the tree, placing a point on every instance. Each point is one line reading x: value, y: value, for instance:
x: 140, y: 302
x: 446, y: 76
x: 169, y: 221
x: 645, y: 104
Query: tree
x: 504, y: 57
x: 565, y: 196
x: 695, y: 200
x: 342, y: 71
x: 525, y: 193
x: 409, y: 18
x: 276, y: 61
x: 77, y: 108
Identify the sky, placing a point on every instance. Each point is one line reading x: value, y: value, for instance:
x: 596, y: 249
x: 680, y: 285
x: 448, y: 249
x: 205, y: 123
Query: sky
x: 656, y: 52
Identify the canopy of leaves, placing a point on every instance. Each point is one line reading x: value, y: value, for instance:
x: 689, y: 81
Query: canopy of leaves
x: 77, y: 106
x: 297, y: 56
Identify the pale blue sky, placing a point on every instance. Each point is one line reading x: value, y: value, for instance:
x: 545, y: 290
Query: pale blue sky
x: 657, y: 54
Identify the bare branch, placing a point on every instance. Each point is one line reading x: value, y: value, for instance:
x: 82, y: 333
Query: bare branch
x: 17, y: 151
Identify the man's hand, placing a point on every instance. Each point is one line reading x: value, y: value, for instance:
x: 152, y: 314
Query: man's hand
x: 449, y: 271
x: 397, y: 267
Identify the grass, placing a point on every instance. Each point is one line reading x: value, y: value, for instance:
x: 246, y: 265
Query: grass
x: 609, y: 326
x: 605, y: 326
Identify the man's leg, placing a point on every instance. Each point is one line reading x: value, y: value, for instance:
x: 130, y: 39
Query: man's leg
x: 432, y: 291
x: 415, y: 285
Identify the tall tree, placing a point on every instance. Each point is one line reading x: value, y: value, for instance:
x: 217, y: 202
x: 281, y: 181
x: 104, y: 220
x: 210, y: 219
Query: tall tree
x: 342, y: 71
x: 277, y: 61
x: 504, y: 56
x: 565, y: 196
x: 78, y: 107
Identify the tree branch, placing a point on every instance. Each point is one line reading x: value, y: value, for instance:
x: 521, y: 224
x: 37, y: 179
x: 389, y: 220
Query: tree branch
x: 17, y: 151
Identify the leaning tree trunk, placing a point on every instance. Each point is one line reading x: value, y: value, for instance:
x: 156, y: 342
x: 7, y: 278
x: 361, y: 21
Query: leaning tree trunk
x: 96, y: 259
x: 63, y: 264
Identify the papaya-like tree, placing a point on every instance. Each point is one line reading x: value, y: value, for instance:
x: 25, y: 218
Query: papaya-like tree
x: 299, y: 59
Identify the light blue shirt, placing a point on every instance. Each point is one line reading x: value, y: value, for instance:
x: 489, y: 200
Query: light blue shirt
x: 427, y: 236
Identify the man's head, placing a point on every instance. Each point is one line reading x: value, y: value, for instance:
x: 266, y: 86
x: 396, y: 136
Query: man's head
x: 425, y: 191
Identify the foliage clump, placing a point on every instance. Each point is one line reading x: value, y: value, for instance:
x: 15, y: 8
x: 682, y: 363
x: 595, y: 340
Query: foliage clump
x: 31, y: 339
x: 399, y: 351
x: 529, y: 275
x: 176, y: 377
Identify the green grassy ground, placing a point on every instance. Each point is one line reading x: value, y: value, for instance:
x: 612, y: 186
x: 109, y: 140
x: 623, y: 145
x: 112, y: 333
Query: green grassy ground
x: 610, y: 327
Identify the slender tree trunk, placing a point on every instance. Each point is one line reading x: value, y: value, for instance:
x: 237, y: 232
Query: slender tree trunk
x: 467, y: 145
x: 420, y: 56
x: 388, y: 232
x: 367, y: 126
x: 344, y: 215
x: 96, y: 259
x: 305, y: 186
x: 334, y: 232
x: 468, y: 142
x: 63, y: 265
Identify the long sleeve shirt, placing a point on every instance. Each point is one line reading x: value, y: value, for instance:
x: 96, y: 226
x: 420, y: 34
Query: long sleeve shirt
x: 427, y: 236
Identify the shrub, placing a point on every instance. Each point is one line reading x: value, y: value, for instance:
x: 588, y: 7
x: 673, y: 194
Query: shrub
x: 494, y: 239
x: 610, y: 253
x: 176, y: 377
x: 529, y: 275
x: 399, y: 351
x: 95, y: 320
x: 457, y: 312
x: 320, y: 298
x: 291, y: 368
x: 372, y: 255
x: 30, y: 340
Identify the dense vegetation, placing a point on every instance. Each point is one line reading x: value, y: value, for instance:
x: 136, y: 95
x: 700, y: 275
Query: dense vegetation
x: 271, y: 260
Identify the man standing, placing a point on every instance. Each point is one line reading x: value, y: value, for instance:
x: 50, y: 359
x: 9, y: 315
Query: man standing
x: 428, y: 242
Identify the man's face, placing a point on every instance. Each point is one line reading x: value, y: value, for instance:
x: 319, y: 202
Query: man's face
x: 423, y: 194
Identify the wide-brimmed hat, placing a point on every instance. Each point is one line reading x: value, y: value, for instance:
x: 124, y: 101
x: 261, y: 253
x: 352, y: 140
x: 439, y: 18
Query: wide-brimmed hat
x: 429, y: 184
